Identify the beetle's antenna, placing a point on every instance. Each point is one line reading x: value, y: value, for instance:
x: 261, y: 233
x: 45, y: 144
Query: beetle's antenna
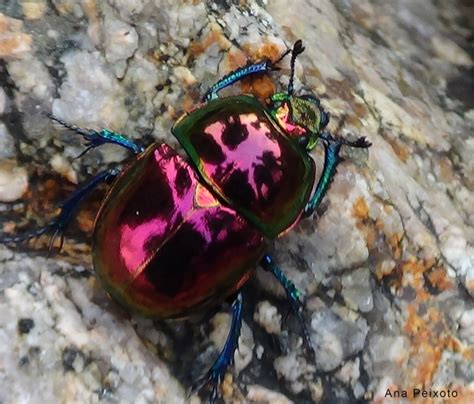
x: 67, y: 125
x: 298, y: 49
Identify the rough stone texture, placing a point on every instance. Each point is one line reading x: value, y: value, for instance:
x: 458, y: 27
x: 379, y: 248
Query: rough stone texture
x: 387, y: 263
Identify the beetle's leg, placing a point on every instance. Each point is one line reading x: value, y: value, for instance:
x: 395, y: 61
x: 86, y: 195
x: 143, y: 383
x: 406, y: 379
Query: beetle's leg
x: 293, y: 295
x: 332, y: 147
x: 95, y: 138
x: 68, y: 208
x: 237, y: 75
x: 265, y: 66
x: 217, y: 371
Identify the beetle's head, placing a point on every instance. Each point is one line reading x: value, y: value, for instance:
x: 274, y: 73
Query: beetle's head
x: 300, y: 116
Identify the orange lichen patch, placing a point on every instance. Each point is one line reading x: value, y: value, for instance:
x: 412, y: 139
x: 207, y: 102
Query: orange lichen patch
x: 269, y: 50
x: 261, y: 87
x: 188, y: 104
x: 379, y: 224
x: 50, y: 192
x: 394, y: 243
x: 470, y: 285
x: 90, y: 10
x: 455, y: 345
x: 374, y: 230
x: 425, y: 324
x: 215, y: 36
x: 370, y: 236
x: 413, y: 275
x: 13, y: 42
x: 439, y: 279
x: 360, y: 209
x: 191, y: 100
x: 428, y: 341
x: 468, y: 353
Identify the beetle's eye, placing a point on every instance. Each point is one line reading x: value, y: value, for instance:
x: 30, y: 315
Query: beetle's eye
x: 303, y: 141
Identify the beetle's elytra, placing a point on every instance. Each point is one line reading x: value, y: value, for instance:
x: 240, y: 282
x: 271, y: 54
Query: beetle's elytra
x: 176, y: 236
x: 164, y: 245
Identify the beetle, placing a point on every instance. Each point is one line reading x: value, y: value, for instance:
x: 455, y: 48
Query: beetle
x: 176, y: 236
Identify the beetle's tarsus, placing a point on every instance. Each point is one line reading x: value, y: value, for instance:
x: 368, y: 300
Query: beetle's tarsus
x: 294, y: 298
x: 306, y: 335
x: 68, y: 208
x: 95, y: 138
x: 360, y: 142
x: 215, y: 374
x: 20, y: 238
x: 211, y: 379
x: 57, y: 225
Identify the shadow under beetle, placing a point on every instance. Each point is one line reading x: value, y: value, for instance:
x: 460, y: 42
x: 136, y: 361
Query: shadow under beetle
x: 175, y: 237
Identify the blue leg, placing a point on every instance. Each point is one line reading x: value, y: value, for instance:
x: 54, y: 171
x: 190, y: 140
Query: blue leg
x: 68, y: 209
x: 237, y: 75
x: 217, y: 371
x: 265, y: 66
x: 332, y: 148
x: 293, y: 295
x: 94, y: 138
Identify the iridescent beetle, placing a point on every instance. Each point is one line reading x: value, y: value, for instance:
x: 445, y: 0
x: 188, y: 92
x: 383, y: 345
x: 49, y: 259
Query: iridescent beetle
x: 173, y: 238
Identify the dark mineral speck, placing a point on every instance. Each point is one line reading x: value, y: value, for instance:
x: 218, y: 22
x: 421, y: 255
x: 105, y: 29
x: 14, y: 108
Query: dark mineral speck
x: 68, y: 357
x: 25, y: 325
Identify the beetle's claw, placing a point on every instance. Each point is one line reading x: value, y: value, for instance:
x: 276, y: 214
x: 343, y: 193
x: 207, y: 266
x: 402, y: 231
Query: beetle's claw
x: 57, y: 232
x: 212, y: 379
x: 19, y: 238
x: 306, y: 335
x: 362, y: 142
x: 298, y: 309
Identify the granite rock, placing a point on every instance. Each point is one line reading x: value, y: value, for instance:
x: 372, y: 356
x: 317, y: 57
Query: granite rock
x: 386, y: 263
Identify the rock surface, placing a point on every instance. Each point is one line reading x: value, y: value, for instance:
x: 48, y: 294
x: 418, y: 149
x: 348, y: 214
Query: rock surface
x: 386, y: 264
